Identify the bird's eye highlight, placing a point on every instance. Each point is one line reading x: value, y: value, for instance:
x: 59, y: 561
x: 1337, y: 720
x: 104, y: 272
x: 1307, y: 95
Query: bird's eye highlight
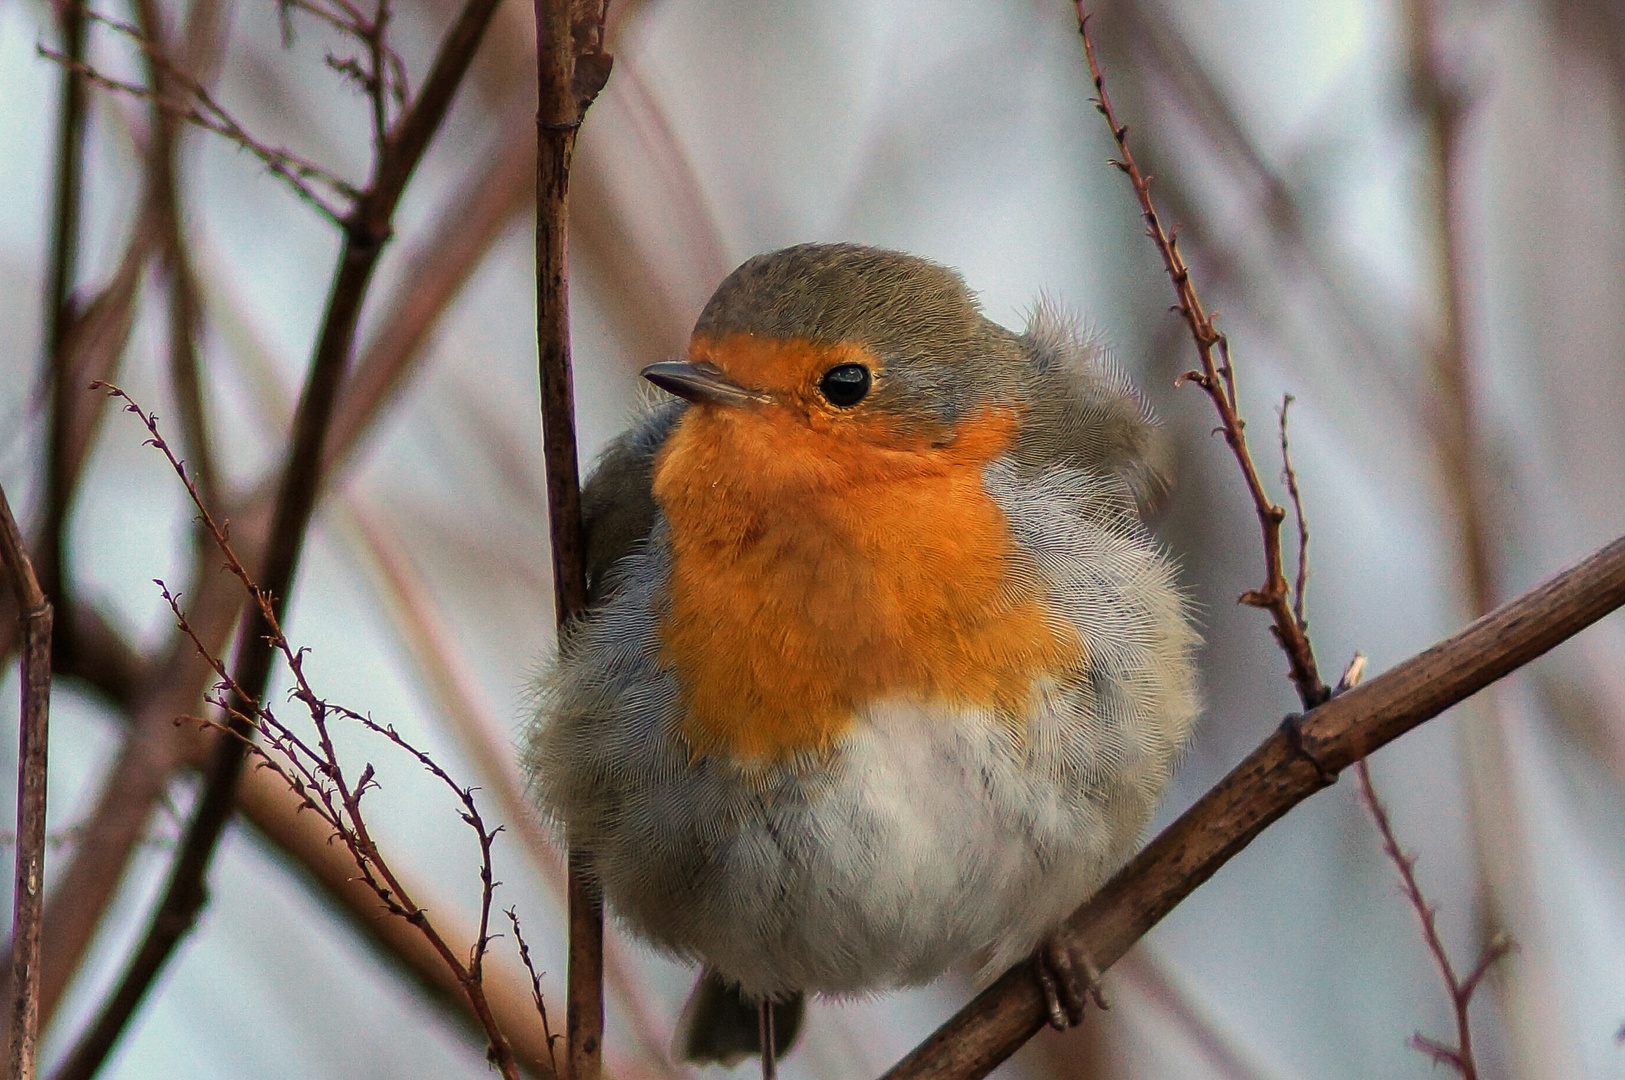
x: 845, y: 385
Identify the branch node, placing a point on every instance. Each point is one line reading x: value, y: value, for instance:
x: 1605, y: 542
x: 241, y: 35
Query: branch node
x: 1299, y: 740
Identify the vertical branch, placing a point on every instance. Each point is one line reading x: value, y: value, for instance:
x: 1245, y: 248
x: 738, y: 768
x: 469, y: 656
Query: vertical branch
x: 59, y: 312
x: 28, y: 898
x: 572, y: 67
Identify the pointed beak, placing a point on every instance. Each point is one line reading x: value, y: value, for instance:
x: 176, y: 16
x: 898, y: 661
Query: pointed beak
x: 703, y: 384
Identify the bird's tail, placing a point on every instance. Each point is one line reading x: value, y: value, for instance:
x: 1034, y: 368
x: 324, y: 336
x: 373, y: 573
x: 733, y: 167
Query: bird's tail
x: 721, y: 1024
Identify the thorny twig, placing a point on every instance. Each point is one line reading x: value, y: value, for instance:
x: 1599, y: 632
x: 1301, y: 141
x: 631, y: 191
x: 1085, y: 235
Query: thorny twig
x: 535, y: 987
x: 1461, y: 989
x: 316, y: 773
x: 1217, y: 378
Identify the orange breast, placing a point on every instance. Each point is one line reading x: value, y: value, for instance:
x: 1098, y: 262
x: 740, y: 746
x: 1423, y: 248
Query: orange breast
x: 814, y: 571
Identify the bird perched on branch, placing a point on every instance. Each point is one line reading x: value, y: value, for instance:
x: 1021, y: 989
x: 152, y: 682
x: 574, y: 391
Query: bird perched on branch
x: 881, y: 671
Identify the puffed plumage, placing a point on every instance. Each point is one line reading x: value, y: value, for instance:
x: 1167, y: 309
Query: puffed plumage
x: 988, y: 661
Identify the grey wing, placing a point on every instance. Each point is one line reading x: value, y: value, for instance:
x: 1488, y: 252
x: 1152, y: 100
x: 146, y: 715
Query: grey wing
x: 617, y: 502
x: 1083, y: 413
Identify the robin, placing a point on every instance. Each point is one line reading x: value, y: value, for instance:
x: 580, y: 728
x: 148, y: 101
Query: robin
x: 881, y: 671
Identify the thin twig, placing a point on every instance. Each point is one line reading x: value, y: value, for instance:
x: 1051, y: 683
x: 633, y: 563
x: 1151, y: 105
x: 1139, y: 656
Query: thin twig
x: 1460, y: 1056
x: 1217, y: 378
x: 1282, y: 772
x: 535, y: 988
x: 572, y: 67
x: 1289, y: 476
x: 177, y: 680
x: 280, y: 815
x: 28, y: 896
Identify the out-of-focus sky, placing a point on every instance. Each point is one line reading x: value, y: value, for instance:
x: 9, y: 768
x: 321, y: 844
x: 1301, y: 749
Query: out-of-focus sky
x: 1284, y: 141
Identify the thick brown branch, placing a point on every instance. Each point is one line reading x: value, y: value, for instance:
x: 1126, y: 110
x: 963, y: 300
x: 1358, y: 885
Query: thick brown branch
x: 28, y: 884
x: 1286, y: 769
x: 1217, y: 378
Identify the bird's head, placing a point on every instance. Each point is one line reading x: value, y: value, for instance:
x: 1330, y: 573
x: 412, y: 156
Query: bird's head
x: 836, y: 362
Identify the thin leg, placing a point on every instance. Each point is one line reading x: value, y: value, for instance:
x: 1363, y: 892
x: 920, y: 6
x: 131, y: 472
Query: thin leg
x: 764, y: 1030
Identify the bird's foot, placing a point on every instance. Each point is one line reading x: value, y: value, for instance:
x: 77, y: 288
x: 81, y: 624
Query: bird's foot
x: 1070, y: 980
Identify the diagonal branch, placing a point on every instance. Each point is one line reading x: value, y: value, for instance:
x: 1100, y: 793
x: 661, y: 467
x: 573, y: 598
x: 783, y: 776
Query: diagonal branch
x: 1286, y: 769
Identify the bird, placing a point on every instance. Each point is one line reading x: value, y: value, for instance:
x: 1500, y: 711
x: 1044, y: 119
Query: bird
x: 882, y: 671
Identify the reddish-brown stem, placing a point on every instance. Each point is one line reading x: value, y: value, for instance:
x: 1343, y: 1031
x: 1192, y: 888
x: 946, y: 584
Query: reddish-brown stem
x: 1287, y: 768
x: 1460, y: 1056
x: 1217, y: 378
x: 28, y: 896
x: 535, y: 986
x: 572, y: 67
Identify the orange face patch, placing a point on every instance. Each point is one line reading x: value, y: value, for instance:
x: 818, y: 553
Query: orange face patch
x: 823, y: 559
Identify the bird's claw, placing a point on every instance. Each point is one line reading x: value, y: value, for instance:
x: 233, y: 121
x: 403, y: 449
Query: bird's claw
x: 1070, y: 980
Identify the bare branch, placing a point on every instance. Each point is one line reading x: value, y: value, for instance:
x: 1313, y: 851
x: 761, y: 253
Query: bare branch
x: 268, y: 804
x: 535, y: 987
x: 300, y: 174
x: 317, y: 776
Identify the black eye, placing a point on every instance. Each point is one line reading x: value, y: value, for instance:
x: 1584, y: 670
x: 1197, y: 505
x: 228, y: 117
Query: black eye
x: 846, y: 385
